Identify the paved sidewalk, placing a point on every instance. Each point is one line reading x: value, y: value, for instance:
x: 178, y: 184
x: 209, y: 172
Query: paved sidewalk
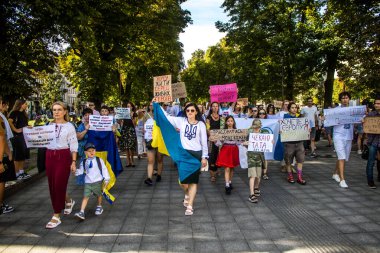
x: 317, y: 217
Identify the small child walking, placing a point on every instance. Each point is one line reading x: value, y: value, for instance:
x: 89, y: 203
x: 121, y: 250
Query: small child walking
x: 255, y: 161
x: 95, y: 173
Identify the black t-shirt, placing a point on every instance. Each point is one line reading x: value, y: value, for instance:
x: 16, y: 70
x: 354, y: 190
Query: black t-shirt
x: 20, y: 120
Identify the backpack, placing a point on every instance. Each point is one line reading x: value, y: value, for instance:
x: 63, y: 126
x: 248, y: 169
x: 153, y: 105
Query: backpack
x: 80, y: 178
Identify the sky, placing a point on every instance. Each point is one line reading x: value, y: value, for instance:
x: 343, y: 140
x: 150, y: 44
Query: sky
x: 202, y: 33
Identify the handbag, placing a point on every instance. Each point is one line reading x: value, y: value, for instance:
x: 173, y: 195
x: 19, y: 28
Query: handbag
x: 365, y: 152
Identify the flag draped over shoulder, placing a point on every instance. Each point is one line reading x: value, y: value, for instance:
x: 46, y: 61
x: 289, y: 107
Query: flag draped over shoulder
x: 186, y: 163
x: 106, y: 149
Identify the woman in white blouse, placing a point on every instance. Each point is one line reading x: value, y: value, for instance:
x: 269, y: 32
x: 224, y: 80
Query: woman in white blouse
x: 193, y: 137
x: 59, y: 161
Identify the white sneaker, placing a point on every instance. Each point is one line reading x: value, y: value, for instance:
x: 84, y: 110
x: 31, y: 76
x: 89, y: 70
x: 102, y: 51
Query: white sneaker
x: 336, y: 177
x: 343, y: 184
x: 359, y: 152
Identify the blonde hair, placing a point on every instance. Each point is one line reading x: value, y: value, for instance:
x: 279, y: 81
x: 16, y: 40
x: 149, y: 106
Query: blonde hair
x: 64, y: 106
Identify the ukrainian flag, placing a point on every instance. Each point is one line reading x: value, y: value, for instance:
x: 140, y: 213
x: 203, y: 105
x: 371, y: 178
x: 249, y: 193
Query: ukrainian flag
x: 186, y: 163
x: 106, y: 149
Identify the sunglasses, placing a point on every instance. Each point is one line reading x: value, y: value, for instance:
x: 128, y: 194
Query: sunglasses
x: 190, y: 110
x: 262, y: 113
x: 254, y: 110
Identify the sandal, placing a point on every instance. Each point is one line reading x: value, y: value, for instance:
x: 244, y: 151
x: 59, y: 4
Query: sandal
x: 213, y: 179
x: 53, y: 223
x: 189, y: 210
x: 265, y: 177
x: 69, y: 207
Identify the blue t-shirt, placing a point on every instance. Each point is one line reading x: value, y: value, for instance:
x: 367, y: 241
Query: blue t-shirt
x: 81, y: 143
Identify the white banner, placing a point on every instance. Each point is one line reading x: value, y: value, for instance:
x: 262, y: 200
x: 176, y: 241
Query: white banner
x: 40, y: 137
x: 269, y: 126
x: 122, y: 113
x: 101, y: 123
x: 294, y: 129
x: 344, y: 115
x: 260, y: 142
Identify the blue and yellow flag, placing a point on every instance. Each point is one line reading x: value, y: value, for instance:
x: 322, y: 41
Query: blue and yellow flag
x: 106, y: 149
x: 186, y: 163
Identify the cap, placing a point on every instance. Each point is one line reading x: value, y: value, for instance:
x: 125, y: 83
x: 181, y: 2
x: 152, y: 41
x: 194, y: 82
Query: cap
x: 256, y: 123
x: 88, y: 146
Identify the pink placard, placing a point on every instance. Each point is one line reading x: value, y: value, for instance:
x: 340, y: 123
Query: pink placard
x: 223, y: 93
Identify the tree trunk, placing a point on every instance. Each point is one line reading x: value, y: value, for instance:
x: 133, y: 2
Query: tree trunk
x: 331, y: 61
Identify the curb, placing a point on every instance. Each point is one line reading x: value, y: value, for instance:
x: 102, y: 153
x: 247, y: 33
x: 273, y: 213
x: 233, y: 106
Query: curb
x: 13, y: 189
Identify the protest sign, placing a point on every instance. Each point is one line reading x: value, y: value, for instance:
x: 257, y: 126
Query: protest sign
x: 179, y: 90
x: 148, y: 129
x: 242, y: 102
x: 40, y: 137
x: 260, y: 142
x: 277, y: 104
x: 223, y: 93
x: 344, y: 115
x: 101, y: 123
x: 228, y: 134
x: 371, y: 125
x: 294, y: 129
x: 122, y: 113
x: 162, y: 88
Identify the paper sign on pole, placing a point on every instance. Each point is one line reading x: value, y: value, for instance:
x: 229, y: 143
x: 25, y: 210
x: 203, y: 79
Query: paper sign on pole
x: 277, y: 104
x: 101, y: 123
x: 179, y: 90
x: 260, y: 142
x: 344, y: 115
x: 371, y: 125
x: 223, y: 93
x: 228, y: 134
x: 162, y: 88
x: 242, y: 102
x: 122, y: 113
x: 294, y: 129
x: 40, y: 137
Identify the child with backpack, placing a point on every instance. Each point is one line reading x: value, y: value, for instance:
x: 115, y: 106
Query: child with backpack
x: 94, y: 172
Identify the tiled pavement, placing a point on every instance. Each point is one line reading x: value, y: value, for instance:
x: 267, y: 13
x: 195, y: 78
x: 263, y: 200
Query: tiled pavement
x: 318, y: 217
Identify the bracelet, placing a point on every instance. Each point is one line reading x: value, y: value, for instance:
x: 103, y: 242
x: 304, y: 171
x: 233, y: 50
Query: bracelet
x: 74, y: 161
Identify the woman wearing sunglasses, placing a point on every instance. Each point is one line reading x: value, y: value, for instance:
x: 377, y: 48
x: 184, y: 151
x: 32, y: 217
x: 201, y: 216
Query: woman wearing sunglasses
x: 193, y: 137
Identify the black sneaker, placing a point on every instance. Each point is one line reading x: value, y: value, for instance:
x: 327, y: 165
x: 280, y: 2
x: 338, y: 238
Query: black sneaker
x: 158, y: 178
x: 148, y: 181
x: 6, y: 208
x: 228, y: 190
x: 371, y: 185
x: 252, y: 198
x: 313, y: 155
x: 231, y: 186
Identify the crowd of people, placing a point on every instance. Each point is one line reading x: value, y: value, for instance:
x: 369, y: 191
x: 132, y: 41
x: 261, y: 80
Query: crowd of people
x: 138, y: 135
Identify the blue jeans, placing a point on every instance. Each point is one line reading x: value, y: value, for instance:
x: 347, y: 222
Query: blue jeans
x: 371, y: 162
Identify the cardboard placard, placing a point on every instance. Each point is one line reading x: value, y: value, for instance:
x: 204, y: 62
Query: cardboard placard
x: 179, y: 90
x: 40, y: 137
x: 294, y: 129
x: 122, y: 113
x: 344, y: 115
x: 223, y: 93
x: 228, y: 135
x: 242, y: 102
x: 101, y: 123
x: 277, y: 103
x: 260, y: 142
x: 162, y: 88
x: 371, y: 125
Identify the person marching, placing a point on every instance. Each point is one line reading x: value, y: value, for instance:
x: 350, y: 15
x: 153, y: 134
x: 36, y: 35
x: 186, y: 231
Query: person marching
x: 228, y: 156
x: 212, y: 123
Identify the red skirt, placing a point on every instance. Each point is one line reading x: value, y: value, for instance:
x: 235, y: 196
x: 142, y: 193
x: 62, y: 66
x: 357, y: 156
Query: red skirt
x: 228, y: 156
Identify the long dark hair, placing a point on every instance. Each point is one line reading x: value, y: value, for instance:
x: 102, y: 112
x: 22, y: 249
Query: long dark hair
x: 198, y: 117
x: 17, y: 106
x: 210, y: 110
x: 225, y: 122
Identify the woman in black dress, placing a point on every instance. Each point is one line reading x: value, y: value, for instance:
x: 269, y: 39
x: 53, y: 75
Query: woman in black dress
x: 128, y: 140
x: 213, y: 122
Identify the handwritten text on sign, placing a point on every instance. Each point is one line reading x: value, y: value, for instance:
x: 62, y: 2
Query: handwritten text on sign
x: 344, y: 115
x: 179, y: 90
x: 40, y: 137
x: 101, y: 123
x: 223, y: 93
x: 294, y: 129
x: 371, y: 125
x: 260, y: 142
x: 122, y: 113
x: 228, y: 135
x: 148, y: 129
x: 162, y: 88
